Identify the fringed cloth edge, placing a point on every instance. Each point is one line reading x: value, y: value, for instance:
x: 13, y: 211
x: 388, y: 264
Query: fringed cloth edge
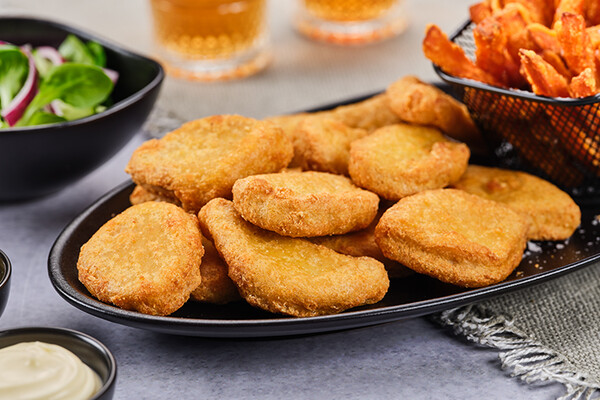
x: 525, y: 358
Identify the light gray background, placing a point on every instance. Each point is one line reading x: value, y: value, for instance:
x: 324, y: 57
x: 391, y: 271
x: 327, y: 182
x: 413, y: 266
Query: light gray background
x: 409, y: 359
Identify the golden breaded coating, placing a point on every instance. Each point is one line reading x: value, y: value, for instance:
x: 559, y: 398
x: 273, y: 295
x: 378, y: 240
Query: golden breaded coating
x: 202, y: 159
x: 146, y: 259
x: 289, y: 124
x: 454, y: 236
x: 362, y: 244
x: 216, y: 286
x: 303, y: 204
x: 419, y: 103
x: 400, y: 160
x: 552, y: 213
x: 323, y: 144
x: 289, y: 275
x: 140, y: 195
x: 370, y: 114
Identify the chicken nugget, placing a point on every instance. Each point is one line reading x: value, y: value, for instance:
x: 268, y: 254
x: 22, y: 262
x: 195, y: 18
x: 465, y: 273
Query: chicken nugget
x: 422, y: 104
x: 550, y: 212
x: 323, y: 144
x: 145, y: 259
x: 140, y: 195
x: 454, y: 236
x: 370, y: 114
x: 202, y: 159
x: 290, y: 275
x: 216, y: 286
x: 303, y: 204
x: 362, y: 244
x: 400, y: 160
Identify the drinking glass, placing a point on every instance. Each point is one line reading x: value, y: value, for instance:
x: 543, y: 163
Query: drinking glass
x: 211, y: 39
x: 350, y: 21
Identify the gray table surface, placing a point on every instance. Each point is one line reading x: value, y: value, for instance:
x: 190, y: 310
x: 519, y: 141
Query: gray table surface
x: 413, y: 358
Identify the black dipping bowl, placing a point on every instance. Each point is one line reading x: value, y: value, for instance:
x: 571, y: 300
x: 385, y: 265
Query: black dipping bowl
x: 89, y: 350
x: 5, y: 269
x: 40, y: 160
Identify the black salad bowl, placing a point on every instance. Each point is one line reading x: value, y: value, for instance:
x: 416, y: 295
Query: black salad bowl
x: 5, y: 272
x: 39, y: 160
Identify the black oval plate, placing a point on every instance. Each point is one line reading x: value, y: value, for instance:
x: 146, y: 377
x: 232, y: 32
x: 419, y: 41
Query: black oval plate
x: 407, y: 297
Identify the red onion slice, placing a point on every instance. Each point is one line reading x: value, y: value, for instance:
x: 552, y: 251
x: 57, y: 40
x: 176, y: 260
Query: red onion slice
x: 55, y: 108
x: 51, y: 54
x: 112, y: 74
x: 15, y: 109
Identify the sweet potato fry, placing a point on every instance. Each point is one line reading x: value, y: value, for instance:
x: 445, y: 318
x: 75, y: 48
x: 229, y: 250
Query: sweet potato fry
x: 584, y: 84
x: 480, y: 11
x: 542, y: 76
x: 591, y: 10
x: 451, y: 58
x: 493, y: 55
x: 557, y: 62
x: 514, y: 19
x: 567, y: 6
x: 593, y: 33
x: 575, y: 43
x: 543, y: 37
x: 539, y: 10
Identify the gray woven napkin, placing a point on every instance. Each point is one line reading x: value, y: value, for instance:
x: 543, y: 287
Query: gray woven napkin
x: 549, y: 332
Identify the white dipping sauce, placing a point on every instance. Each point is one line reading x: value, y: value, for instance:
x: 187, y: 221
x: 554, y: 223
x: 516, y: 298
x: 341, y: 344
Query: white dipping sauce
x: 36, y: 370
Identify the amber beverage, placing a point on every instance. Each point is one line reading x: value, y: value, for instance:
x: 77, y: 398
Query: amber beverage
x: 211, y: 39
x: 350, y: 21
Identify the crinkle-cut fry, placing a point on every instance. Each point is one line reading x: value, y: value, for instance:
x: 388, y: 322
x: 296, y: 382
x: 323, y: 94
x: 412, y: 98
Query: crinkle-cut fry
x: 591, y: 10
x: 584, y: 84
x: 492, y: 53
x: 480, y: 11
x: 543, y: 37
x: 543, y: 78
x: 451, y: 58
x: 575, y: 43
x: 567, y: 6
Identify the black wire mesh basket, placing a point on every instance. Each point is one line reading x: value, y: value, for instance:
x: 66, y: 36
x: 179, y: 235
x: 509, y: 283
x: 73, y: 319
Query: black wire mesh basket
x: 555, y: 138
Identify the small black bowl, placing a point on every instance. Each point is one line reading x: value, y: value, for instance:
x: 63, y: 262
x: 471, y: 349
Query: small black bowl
x: 89, y: 350
x: 39, y: 160
x: 5, y: 270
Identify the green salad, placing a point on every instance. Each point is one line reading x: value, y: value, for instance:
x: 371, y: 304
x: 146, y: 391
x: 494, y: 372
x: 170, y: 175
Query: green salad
x: 44, y: 85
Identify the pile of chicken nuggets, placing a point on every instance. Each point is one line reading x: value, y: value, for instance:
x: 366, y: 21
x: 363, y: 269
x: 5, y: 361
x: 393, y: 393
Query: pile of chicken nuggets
x: 313, y: 214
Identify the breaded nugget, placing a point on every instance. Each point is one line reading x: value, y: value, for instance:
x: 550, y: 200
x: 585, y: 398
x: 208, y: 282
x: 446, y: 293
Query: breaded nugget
x: 303, y: 204
x: 323, y: 144
x: 454, y: 236
x: 419, y: 103
x: 370, y: 114
x: 140, y: 195
x: 216, y: 286
x: 289, y: 275
x: 146, y: 259
x: 362, y: 244
x: 400, y: 160
x: 552, y: 214
x: 289, y: 124
x: 202, y: 159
